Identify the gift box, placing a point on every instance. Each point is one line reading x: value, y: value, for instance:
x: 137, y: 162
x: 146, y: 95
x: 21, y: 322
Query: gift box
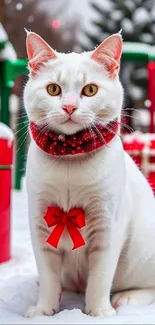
x: 141, y: 147
x: 6, y: 161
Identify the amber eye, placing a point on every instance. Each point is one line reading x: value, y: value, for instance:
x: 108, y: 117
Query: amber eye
x: 54, y: 89
x: 89, y: 90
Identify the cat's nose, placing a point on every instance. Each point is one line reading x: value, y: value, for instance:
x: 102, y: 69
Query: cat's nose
x: 69, y: 109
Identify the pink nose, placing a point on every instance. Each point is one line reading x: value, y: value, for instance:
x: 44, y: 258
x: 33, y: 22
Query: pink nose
x: 69, y: 109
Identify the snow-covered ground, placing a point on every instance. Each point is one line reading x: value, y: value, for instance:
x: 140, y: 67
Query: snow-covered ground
x: 19, y: 289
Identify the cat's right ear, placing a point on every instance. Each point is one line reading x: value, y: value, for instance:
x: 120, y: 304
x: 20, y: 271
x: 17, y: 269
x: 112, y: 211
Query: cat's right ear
x: 38, y: 52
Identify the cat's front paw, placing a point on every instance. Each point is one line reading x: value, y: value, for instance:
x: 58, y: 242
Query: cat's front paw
x: 100, y: 312
x: 39, y: 310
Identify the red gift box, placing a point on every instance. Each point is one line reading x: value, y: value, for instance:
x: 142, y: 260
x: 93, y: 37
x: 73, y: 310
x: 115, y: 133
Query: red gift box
x: 141, y: 147
x: 6, y: 161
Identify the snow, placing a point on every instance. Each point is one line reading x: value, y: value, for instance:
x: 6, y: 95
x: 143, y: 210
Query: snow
x: 136, y: 47
x: 130, y: 5
x: 147, y: 103
x: 19, y: 6
x: 127, y: 26
x: 105, y: 4
x: 141, y: 117
x: 14, y: 103
x: 3, y: 34
x: 146, y: 38
x: 19, y: 288
x: 116, y: 15
x: 5, y: 132
x: 141, y: 16
x: 8, y: 53
x: 136, y: 92
x: 140, y: 137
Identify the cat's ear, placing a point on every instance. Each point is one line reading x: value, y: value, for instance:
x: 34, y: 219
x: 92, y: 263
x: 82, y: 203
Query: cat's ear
x: 38, y: 52
x: 108, y: 53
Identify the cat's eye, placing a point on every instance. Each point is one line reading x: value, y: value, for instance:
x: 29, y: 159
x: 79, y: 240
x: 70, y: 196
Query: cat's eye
x: 54, y: 89
x: 89, y: 90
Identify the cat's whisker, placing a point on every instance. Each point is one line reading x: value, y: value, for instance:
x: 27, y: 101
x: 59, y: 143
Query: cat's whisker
x: 124, y: 126
x: 23, y: 122
x: 88, y: 126
x: 24, y: 126
x: 25, y: 134
x: 92, y: 135
x: 131, y: 109
x: 20, y: 115
x: 128, y: 115
x: 43, y: 129
x: 99, y: 133
x: 26, y: 123
x: 112, y: 131
x: 129, y: 128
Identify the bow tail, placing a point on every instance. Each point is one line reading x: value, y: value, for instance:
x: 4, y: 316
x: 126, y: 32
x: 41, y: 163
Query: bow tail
x: 75, y: 235
x: 54, y: 237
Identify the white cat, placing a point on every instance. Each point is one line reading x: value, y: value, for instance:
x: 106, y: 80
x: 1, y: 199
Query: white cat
x: 68, y: 93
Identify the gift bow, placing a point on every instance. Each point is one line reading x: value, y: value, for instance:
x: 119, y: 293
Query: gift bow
x: 72, y: 220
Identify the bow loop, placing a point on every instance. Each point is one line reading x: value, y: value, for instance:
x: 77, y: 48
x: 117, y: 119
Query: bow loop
x: 53, y: 216
x: 73, y: 220
x: 77, y: 216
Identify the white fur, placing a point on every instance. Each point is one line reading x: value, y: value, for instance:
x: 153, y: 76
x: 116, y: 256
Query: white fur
x: 119, y: 204
x: 72, y: 72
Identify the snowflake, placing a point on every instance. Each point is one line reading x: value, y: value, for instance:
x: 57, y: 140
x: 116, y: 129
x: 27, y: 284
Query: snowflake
x: 19, y: 6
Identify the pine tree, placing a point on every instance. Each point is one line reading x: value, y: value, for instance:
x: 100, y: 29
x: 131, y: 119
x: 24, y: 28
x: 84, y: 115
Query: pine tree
x: 136, y: 18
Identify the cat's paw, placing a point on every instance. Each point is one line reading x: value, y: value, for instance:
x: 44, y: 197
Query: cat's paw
x: 39, y: 310
x: 123, y: 298
x: 100, y: 312
x: 140, y: 298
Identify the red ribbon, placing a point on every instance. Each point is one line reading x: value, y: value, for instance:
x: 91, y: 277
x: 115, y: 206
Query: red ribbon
x: 72, y: 220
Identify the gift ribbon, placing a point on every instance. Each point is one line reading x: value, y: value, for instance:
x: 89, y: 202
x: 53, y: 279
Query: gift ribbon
x: 72, y: 220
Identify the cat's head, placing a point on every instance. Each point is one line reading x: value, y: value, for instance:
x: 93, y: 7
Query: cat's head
x: 69, y: 92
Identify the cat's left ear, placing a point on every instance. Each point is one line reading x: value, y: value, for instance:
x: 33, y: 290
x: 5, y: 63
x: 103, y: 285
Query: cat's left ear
x: 108, y: 53
x: 38, y: 52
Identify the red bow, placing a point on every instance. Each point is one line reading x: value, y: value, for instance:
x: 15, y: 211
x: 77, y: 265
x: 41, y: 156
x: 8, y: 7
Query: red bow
x: 73, y: 219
